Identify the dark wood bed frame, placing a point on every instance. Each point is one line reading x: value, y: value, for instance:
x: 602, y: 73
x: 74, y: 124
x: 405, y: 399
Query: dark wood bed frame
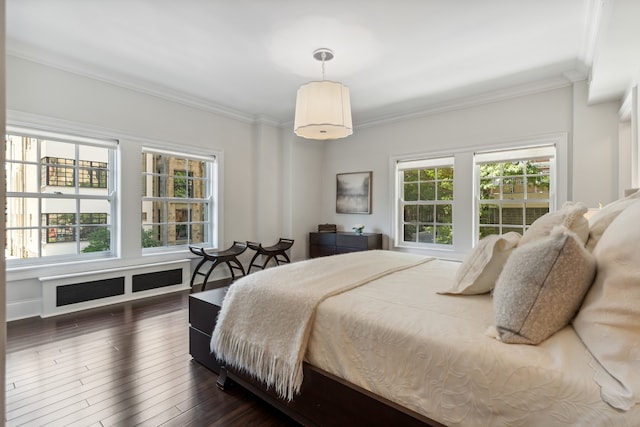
x: 324, y: 399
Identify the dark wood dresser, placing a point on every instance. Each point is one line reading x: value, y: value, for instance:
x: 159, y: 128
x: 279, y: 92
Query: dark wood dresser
x: 324, y: 244
x: 203, y: 313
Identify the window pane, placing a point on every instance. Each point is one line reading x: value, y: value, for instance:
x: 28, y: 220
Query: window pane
x: 512, y: 215
x: 427, y: 174
x: 445, y: 173
x: 426, y: 234
x: 445, y: 190
x: 410, y: 175
x: 22, y: 244
x: 489, y: 189
x: 489, y: 214
x: 410, y: 213
x: 427, y: 191
x: 426, y: 213
x: 411, y: 192
x: 21, y: 177
x: 443, y: 213
x: 409, y: 233
x: 199, y: 212
x: 198, y: 233
x: 197, y: 188
x: 95, y: 239
x: 151, y: 236
x: 444, y: 234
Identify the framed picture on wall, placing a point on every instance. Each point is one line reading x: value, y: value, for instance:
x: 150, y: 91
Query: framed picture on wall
x: 353, y: 193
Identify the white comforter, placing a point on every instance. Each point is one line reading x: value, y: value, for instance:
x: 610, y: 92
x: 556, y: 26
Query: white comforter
x: 399, y: 339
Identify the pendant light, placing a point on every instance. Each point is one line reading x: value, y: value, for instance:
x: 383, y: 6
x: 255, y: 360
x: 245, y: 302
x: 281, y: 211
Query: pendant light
x: 323, y: 108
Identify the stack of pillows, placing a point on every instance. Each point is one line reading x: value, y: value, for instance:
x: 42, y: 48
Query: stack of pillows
x: 566, y: 269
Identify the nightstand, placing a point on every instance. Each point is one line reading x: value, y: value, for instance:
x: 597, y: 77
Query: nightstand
x: 203, y: 313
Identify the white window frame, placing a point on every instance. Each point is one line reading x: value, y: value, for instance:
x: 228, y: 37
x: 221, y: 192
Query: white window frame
x: 466, y: 193
x: 74, y: 194
x: 514, y: 154
x: 401, y: 166
x: 212, y: 183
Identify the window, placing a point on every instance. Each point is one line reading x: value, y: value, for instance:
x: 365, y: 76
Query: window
x: 177, y: 198
x: 427, y: 200
x: 60, y: 194
x: 447, y: 201
x: 513, y: 188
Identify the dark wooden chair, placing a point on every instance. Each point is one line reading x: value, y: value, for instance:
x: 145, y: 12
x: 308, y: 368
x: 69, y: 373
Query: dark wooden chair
x: 227, y: 256
x: 276, y: 252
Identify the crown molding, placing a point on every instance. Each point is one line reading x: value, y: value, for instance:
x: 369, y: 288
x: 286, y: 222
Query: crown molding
x: 472, y: 101
x: 139, y: 86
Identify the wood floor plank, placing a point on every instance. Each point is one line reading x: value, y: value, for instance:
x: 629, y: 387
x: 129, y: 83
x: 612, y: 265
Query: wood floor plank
x: 126, y: 364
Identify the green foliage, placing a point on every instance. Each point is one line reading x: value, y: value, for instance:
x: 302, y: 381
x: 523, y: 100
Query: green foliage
x: 148, y: 241
x: 492, y: 173
x: 99, y: 240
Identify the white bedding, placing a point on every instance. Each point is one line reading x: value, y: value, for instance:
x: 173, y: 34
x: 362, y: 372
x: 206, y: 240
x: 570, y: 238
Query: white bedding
x: 428, y: 352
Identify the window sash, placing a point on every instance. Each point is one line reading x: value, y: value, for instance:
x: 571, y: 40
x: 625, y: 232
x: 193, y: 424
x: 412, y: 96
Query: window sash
x: 169, y: 220
x: 28, y: 202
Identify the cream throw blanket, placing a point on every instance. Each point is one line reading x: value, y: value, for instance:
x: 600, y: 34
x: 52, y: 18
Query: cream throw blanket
x: 266, y: 317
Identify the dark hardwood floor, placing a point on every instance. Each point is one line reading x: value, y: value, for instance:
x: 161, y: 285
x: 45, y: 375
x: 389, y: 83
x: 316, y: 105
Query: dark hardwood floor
x: 126, y: 364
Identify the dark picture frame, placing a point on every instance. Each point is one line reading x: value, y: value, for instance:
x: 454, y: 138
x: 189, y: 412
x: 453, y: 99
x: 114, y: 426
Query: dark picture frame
x: 353, y: 192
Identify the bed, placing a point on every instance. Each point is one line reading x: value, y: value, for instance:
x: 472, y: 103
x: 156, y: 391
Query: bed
x: 542, y: 329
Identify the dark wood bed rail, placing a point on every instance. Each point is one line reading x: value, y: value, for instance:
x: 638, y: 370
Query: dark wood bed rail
x: 327, y: 400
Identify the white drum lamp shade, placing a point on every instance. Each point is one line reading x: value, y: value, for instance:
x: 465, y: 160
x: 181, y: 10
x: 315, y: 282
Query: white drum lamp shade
x: 323, y: 111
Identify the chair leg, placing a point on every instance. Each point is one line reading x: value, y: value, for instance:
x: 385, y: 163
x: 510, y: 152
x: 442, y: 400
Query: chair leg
x: 240, y: 267
x: 252, y: 261
x: 233, y: 276
x: 206, y: 278
x: 195, y: 272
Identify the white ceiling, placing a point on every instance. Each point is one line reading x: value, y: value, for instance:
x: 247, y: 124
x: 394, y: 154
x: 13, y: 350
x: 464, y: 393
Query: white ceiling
x: 248, y: 57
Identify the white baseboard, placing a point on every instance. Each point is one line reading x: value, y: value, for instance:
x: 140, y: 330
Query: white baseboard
x: 24, y: 309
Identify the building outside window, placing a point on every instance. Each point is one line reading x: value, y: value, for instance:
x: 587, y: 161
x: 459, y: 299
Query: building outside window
x: 177, y: 200
x: 513, y: 188
x: 60, y: 191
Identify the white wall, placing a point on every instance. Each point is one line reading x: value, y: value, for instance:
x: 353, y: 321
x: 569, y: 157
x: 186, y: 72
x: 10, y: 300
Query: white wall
x: 592, y: 131
x: 252, y: 153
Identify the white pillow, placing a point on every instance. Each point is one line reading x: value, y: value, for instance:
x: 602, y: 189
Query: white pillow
x: 479, y: 271
x: 600, y: 220
x: 541, y: 287
x: 571, y: 215
x: 609, y: 320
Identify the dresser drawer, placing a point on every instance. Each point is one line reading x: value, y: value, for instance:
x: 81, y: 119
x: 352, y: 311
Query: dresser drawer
x: 352, y: 241
x: 325, y: 239
x: 324, y: 244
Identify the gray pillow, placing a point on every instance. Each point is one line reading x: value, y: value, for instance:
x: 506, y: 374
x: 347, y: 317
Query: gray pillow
x: 541, y: 287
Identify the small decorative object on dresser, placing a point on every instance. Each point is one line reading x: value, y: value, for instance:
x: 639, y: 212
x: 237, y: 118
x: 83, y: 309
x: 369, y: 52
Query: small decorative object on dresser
x: 358, y: 229
x: 327, y: 228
